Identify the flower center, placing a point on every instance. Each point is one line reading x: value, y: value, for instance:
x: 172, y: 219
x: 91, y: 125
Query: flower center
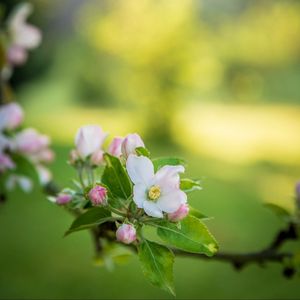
x: 154, y: 192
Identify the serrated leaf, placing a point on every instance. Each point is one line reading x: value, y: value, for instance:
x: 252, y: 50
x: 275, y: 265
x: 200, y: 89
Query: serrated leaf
x: 116, y: 178
x: 94, y: 216
x: 157, y: 264
x: 190, y: 235
x: 189, y: 185
x: 197, y: 214
x: 163, y: 161
x: 141, y: 151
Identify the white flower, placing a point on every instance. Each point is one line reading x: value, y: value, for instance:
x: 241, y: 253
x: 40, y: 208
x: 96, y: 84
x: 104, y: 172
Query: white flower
x: 11, y: 115
x: 155, y: 193
x: 89, y: 139
x: 23, y: 35
x: 24, y: 183
x: 130, y: 143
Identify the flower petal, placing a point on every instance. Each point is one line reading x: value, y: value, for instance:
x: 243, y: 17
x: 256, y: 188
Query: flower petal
x: 140, y: 194
x: 168, y: 176
x: 152, y: 209
x: 140, y: 169
x: 170, y: 202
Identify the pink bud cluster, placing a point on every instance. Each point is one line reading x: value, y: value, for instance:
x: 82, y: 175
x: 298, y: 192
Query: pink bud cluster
x: 27, y: 143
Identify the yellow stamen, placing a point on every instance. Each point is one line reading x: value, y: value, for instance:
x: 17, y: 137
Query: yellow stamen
x: 154, y: 192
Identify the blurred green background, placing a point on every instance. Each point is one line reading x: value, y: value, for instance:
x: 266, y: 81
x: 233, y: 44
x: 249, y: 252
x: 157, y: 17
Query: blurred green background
x: 216, y: 82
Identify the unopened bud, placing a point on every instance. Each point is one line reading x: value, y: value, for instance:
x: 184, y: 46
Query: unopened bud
x: 180, y: 213
x: 98, y: 195
x: 126, y: 233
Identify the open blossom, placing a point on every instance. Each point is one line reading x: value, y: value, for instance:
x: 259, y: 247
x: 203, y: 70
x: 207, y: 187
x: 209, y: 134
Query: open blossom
x: 180, y: 213
x: 89, y: 139
x: 23, y: 36
x: 115, y: 146
x: 130, y: 143
x: 6, y: 162
x: 98, y: 195
x: 11, y: 115
x: 29, y: 141
x: 23, y: 182
x: 126, y: 233
x: 155, y: 193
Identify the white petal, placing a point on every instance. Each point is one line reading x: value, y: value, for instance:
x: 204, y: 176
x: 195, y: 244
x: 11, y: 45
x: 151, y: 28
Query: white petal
x: 168, y: 176
x: 152, y: 209
x: 140, y: 169
x: 140, y: 194
x: 172, y: 200
x: 25, y: 183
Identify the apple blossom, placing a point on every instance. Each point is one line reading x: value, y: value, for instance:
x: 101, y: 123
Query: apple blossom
x: 89, y: 139
x: 126, y: 233
x: 29, y: 141
x: 23, y: 182
x: 180, y: 213
x: 63, y: 198
x: 130, y: 143
x: 6, y: 162
x: 155, y: 193
x: 98, y: 195
x: 23, y: 36
x: 11, y: 115
x: 115, y: 146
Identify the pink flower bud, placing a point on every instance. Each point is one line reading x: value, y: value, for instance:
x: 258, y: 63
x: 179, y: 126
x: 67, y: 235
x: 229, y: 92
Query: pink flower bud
x: 115, y: 146
x: 63, y: 198
x: 180, y: 213
x: 130, y: 143
x: 6, y: 162
x: 126, y: 233
x: 73, y: 157
x: 89, y: 139
x: 98, y: 195
x: 16, y: 55
x: 11, y: 116
x: 97, y: 158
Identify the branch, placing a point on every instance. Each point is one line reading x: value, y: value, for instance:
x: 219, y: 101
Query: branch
x: 268, y: 254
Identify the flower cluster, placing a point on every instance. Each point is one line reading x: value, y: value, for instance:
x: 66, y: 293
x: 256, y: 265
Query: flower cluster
x: 153, y: 193
x: 21, y: 150
x: 121, y: 190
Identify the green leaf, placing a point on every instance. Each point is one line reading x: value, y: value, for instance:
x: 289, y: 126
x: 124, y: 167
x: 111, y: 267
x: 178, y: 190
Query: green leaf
x: 116, y: 178
x: 94, y: 216
x: 197, y: 214
x: 190, y: 235
x: 278, y: 210
x: 163, y: 161
x: 157, y: 264
x: 141, y: 151
x: 24, y: 167
x: 189, y: 185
